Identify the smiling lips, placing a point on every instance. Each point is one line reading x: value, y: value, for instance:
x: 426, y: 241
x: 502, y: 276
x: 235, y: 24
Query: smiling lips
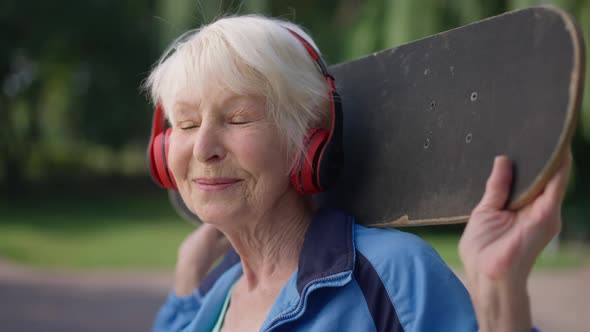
x: 215, y: 184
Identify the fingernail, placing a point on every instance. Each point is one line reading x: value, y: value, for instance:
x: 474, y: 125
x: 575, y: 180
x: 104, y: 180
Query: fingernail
x: 497, y: 160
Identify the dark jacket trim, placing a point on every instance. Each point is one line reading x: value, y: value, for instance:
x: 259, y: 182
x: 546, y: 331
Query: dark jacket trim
x: 378, y: 301
x: 328, y: 247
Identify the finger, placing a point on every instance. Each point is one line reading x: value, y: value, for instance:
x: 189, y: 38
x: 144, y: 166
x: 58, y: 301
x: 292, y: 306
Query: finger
x: 497, y: 186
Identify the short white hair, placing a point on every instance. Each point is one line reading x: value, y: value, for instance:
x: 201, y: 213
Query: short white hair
x: 251, y: 55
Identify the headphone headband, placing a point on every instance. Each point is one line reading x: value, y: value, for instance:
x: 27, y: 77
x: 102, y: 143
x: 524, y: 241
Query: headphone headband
x: 314, y: 54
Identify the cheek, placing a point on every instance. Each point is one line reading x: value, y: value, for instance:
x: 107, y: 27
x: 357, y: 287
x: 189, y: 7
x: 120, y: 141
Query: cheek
x: 179, y: 152
x: 264, y: 155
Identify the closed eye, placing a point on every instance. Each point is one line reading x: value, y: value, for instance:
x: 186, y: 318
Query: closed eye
x: 187, y: 125
x: 244, y: 114
x: 240, y: 122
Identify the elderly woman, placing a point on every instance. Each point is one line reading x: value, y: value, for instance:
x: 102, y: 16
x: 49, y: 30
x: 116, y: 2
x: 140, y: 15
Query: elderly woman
x: 242, y: 95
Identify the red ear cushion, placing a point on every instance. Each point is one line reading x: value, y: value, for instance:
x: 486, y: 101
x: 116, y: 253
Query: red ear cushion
x: 318, y: 139
x: 152, y: 163
x: 302, y: 178
x: 160, y: 161
x: 296, y: 180
x: 296, y: 174
x: 170, y: 175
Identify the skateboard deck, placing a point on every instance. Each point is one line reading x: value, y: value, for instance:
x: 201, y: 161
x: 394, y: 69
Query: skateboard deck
x: 424, y: 121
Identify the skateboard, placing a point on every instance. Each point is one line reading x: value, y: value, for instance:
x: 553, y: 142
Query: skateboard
x: 424, y: 121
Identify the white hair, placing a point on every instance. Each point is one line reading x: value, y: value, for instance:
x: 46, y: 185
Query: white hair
x: 251, y: 55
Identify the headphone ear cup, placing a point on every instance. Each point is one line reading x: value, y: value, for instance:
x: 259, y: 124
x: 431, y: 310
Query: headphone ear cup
x: 160, y: 160
x: 166, y: 148
x: 151, y: 161
x: 305, y: 177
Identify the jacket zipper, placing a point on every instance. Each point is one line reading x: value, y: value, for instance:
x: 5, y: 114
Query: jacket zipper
x: 299, y: 307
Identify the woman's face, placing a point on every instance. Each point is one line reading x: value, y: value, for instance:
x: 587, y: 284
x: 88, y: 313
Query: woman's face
x: 228, y: 159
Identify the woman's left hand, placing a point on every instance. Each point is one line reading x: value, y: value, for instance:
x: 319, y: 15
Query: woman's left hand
x: 499, y: 247
x: 196, y: 255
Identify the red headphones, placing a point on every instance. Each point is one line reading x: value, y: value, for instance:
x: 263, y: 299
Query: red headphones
x: 157, y: 153
x: 318, y: 168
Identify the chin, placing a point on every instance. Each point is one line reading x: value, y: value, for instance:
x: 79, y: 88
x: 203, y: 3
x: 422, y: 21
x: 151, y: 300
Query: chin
x: 217, y: 214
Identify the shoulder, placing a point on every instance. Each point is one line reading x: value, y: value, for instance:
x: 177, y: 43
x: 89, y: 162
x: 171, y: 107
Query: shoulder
x: 394, y: 247
x: 400, y: 258
x: 396, y: 255
x: 424, y: 292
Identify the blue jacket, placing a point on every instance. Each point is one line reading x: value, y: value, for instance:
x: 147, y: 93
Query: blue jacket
x: 349, y: 278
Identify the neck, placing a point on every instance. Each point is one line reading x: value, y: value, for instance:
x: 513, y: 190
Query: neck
x: 269, y: 244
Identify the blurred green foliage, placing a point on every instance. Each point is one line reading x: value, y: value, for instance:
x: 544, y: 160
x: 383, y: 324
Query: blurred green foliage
x: 92, y: 231
x: 70, y: 107
x: 142, y: 232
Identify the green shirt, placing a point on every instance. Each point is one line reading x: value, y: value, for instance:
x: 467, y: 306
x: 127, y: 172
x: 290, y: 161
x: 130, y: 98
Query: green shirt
x: 221, y: 317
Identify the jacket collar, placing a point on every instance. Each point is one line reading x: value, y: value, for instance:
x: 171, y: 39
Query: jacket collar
x: 328, y: 249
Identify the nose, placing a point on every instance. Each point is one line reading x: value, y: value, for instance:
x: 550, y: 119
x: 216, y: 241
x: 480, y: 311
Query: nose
x: 208, y: 146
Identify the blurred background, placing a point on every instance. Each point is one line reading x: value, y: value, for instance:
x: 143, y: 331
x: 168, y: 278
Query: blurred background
x: 78, y: 212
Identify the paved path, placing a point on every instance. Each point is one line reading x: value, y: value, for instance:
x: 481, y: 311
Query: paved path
x: 34, y: 300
